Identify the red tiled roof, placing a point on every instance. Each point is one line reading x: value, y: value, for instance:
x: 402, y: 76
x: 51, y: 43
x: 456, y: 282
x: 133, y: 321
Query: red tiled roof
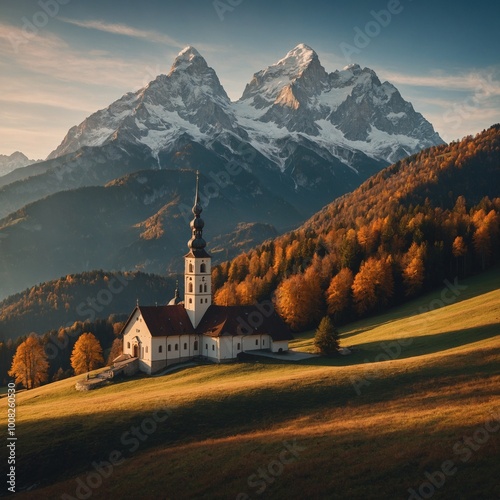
x: 164, y: 321
x: 244, y: 320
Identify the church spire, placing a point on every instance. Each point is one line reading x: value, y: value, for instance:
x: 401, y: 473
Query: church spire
x: 198, y: 268
x: 177, y: 298
x: 197, y: 224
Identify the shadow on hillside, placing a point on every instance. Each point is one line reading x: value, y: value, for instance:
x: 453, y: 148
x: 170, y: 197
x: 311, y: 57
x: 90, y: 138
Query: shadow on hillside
x: 56, y: 448
x: 406, y: 347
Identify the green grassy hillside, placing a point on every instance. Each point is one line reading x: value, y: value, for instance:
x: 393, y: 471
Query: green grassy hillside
x: 374, y: 424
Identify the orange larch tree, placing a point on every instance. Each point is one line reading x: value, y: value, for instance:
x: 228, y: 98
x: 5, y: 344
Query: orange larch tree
x: 299, y: 300
x: 413, y: 269
x: 338, y: 294
x: 29, y: 365
x: 87, y: 354
x: 373, y: 285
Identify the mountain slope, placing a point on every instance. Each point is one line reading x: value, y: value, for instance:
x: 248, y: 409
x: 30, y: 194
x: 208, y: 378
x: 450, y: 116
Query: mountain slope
x: 190, y: 99
x: 140, y: 221
x: 14, y: 161
x: 427, y: 218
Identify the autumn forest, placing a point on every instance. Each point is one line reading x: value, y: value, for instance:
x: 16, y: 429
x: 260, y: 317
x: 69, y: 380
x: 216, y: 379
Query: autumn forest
x: 430, y: 217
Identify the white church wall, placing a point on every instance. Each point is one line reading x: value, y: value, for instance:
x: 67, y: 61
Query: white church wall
x: 210, y: 348
x: 229, y: 347
x: 182, y: 347
x: 137, y: 342
x: 173, y: 345
x: 280, y: 344
x: 158, y: 348
x: 256, y: 342
x: 174, y: 349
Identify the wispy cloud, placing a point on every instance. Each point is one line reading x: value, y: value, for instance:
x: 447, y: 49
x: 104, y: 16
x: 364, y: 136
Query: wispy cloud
x: 456, y: 104
x: 53, y: 57
x: 47, y: 86
x: 470, y: 81
x: 124, y: 30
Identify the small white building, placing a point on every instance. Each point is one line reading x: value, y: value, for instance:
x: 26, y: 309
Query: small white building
x: 161, y: 336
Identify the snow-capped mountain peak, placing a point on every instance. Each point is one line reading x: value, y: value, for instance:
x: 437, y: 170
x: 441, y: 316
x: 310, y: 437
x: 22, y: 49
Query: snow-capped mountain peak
x: 189, y: 100
x: 15, y: 160
x: 292, y: 101
x: 189, y: 58
x: 188, y: 53
x: 268, y: 84
x: 354, y: 67
x: 298, y: 58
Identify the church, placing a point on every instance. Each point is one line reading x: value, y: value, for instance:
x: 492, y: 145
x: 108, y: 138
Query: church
x: 160, y: 336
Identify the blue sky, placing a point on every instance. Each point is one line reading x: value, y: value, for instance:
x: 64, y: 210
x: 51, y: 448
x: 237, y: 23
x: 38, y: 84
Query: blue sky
x: 61, y: 60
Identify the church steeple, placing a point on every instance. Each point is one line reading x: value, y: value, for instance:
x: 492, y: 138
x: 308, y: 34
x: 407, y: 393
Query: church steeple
x: 197, y: 244
x: 198, y: 269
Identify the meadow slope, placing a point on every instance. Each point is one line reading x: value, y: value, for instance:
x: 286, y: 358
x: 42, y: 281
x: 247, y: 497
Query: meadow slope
x: 358, y: 426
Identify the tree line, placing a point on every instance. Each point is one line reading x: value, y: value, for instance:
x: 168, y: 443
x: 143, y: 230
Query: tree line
x: 85, y: 296
x: 59, y: 354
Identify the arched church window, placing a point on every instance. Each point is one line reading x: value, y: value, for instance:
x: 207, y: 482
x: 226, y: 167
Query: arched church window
x: 203, y: 268
x: 201, y: 288
x: 190, y: 288
x: 195, y: 347
x: 205, y: 288
x: 191, y: 269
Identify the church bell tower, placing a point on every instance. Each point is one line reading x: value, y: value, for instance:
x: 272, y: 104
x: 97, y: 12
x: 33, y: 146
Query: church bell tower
x: 198, y: 268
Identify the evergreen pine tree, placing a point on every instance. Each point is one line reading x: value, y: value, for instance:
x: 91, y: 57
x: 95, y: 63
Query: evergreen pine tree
x: 326, y: 339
